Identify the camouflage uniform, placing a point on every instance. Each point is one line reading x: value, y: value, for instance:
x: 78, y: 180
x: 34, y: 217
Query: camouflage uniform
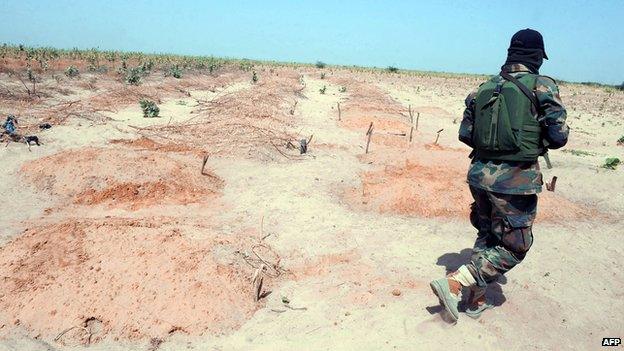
x: 505, y: 192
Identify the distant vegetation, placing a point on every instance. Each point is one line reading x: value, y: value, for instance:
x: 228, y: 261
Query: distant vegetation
x: 323, y: 89
x: 43, y: 59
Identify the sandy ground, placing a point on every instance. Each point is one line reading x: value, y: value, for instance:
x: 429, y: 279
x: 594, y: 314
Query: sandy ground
x: 112, y: 238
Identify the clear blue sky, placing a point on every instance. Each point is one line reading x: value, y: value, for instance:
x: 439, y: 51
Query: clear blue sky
x: 584, y: 39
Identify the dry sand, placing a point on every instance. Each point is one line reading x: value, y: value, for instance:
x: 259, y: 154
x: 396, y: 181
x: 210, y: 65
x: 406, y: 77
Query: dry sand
x: 112, y: 238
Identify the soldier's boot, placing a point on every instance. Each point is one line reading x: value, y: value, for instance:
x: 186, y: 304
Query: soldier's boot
x: 448, y: 290
x: 477, y: 302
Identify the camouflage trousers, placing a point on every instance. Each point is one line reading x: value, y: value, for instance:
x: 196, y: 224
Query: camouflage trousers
x: 504, y: 222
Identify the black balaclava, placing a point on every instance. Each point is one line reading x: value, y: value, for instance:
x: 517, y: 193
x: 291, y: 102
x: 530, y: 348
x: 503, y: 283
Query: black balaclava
x: 527, y: 48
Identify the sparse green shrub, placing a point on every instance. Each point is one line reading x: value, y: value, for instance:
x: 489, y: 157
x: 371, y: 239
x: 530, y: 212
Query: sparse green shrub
x: 620, y: 141
x: 150, y: 109
x: 323, y: 75
x: 254, y: 77
x: 72, y: 71
x: 146, y: 67
x: 611, y: 163
x: 174, y: 71
x: 320, y: 64
x: 343, y: 89
x: 323, y: 89
x: 392, y: 69
x: 133, y: 76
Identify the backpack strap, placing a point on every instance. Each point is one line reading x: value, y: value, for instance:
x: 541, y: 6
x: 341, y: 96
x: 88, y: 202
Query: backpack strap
x: 523, y: 88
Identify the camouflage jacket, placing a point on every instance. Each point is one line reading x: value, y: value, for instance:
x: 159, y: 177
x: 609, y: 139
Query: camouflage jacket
x: 519, y: 178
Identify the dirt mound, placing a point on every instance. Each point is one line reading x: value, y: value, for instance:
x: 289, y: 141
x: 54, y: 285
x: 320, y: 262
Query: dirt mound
x: 122, y: 178
x: 439, y: 189
x: 124, y: 278
x: 149, y: 144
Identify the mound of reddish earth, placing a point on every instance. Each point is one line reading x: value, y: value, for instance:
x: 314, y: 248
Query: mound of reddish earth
x: 124, y: 278
x: 434, y: 185
x: 149, y: 144
x: 122, y: 177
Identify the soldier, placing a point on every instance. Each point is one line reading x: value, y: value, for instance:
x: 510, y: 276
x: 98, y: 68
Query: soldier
x: 509, y: 121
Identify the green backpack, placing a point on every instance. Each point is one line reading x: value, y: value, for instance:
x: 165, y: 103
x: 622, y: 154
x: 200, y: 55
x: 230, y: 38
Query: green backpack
x: 504, y: 127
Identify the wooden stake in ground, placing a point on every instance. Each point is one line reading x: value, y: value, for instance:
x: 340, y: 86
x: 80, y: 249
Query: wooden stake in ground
x: 438, y: 136
x: 411, y: 122
x: 550, y: 186
x: 369, y: 133
x: 205, y: 160
x: 339, y: 112
x: 257, y: 281
x: 417, y: 118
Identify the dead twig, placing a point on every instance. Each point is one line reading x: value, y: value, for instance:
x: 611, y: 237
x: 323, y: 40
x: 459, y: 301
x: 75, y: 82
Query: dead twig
x: 60, y: 335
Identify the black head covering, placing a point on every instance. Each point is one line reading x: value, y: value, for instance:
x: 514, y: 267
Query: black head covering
x: 527, y: 47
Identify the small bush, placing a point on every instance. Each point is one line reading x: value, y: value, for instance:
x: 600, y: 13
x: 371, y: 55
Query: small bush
x: 392, y: 69
x: 146, y: 67
x: 72, y: 72
x: 323, y: 75
x: 343, y: 89
x: 620, y: 141
x: 620, y: 87
x: 254, y: 77
x: 174, y: 71
x: 611, y: 163
x: 150, y: 109
x: 323, y: 89
x: 133, y: 76
x: 320, y: 64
